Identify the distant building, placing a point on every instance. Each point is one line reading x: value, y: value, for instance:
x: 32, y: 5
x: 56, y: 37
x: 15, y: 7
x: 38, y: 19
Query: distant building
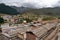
x: 7, y: 17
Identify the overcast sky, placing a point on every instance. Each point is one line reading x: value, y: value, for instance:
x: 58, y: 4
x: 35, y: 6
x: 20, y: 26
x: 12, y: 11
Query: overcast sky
x: 32, y: 3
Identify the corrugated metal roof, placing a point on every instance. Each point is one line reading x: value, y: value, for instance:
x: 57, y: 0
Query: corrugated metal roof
x: 40, y: 31
x: 43, y: 29
x: 49, y: 25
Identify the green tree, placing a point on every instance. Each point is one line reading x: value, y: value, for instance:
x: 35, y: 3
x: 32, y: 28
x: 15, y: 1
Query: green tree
x: 28, y: 20
x: 1, y: 20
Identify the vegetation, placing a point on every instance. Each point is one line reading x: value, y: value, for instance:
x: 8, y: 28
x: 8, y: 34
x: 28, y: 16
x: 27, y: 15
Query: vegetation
x: 1, y: 20
x: 21, y: 21
x: 58, y: 17
x: 7, y: 10
x: 30, y: 16
x: 25, y: 19
x: 28, y: 20
x: 48, y: 18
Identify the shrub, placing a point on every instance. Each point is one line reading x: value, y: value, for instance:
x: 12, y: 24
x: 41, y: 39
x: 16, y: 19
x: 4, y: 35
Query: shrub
x: 1, y: 20
x: 48, y: 18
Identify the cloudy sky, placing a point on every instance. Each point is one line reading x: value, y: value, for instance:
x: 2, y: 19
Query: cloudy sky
x: 32, y: 3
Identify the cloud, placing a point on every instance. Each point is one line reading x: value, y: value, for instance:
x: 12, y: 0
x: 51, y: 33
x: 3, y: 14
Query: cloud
x: 32, y: 3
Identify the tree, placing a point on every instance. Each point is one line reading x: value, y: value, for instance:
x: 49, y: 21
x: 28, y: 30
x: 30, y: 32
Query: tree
x: 28, y: 20
x: 1, y: 20
x: 58, y: 17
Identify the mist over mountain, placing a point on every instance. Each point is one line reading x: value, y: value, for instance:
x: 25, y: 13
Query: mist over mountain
x: 13, y: 10
x: 20, y: 9
x: 32, y: 3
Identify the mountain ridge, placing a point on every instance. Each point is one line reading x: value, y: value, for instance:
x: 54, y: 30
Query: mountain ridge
x: 5, y: 9
x: 20, y: 10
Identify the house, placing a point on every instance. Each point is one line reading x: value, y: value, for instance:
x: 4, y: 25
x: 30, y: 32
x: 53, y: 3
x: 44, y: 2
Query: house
x: 58, y: 34
x: 29, y: 32
x: 37, y: 33
x: 7, y: 17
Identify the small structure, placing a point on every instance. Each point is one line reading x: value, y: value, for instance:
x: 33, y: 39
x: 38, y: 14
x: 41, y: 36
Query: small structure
x: 30, y: 36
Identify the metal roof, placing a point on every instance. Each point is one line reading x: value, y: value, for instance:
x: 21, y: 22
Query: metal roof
x: 40, y: 31
x: 49, y: 25
x: 43, y: 29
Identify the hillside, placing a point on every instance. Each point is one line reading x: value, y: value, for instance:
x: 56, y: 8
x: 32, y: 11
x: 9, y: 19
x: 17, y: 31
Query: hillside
x: 7, y: 10
x: 46, y: 11
x: 42, y: 11
x: 13, y: 10
x: 19, y: 9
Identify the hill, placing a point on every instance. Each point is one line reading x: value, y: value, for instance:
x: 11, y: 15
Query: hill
x: 13, y: 10
x: 20, y: 9
x: 41, y: 11
x: 46, y: 11
x: 7, y: 9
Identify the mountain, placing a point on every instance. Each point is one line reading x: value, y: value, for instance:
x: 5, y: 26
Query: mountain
x: 46, y: 11
x: 13, y: 10
x: 42, y: 11
x: 20, y: 9
x: 7, y: 10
